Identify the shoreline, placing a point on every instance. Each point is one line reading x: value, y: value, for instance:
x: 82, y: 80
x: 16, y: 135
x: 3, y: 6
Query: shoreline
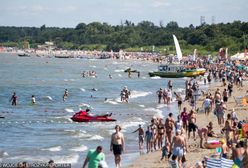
x: 195, y: 153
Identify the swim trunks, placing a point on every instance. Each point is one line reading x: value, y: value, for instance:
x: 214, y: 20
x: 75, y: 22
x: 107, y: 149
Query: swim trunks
x: 117, y: 149
x: 178, y: 151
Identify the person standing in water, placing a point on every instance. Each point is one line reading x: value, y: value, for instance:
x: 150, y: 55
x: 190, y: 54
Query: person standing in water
x: 117, y: 145
x: 33, y: 101
x: 65, y: 95
x: 13, y: 99
x: 141, y: 136
x: 170, y: 85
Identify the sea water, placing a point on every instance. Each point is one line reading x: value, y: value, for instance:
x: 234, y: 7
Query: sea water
x: 45, y: 131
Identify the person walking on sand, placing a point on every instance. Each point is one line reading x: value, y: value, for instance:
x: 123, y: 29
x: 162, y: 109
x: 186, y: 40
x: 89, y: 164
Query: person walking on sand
x: 161, y: 131
x: 225, y: 95
x: 207, y: 105
x: 13, y: 99
x: 148, y: 137
x: 141, y: 136
x: 192, y: 124
x: 117, y: 145
x: 184, y: 117
x: 169, y: 125
x: 94, y: 157
x: 178, y: 145
x: 220, y: 112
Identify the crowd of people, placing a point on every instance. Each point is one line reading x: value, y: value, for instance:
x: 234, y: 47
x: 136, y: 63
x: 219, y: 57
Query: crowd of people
x: 173, y: 137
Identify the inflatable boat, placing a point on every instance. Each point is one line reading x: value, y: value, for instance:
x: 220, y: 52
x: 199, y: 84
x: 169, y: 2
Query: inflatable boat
x: 83, y: 116
x: 212, y: 144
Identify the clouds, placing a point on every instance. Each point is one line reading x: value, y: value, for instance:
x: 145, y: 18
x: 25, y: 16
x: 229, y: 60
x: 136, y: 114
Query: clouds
x: 64, y: 13
x: 160, y: 4
x: 40, y: 9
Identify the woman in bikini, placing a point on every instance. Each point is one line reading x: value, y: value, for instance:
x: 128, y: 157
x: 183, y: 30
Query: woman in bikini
x: 161, y: 130
x: 117, y: 145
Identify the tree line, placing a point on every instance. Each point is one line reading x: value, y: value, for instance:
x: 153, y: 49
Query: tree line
x: 133, y: 37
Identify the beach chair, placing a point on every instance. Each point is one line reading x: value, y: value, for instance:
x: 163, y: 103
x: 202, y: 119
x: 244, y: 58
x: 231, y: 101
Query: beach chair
x: 213, y: 163
x: 173, y: 164
x: 219, y: 163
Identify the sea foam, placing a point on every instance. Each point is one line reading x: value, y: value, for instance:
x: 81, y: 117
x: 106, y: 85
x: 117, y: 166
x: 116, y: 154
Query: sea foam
x: 79, y: 149
x: 53, y: 149
x: 96, y: 137
x: 136, y: 94
x: 155, y: 77
x: 69, y: 110
x: 110, y: 101
x: 82, y: 89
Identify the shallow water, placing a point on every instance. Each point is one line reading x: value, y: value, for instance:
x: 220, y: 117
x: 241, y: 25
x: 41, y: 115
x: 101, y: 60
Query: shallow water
x: 45, y: 131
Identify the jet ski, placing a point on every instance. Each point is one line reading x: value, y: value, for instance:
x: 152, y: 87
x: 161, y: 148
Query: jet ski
x: 83, y: 116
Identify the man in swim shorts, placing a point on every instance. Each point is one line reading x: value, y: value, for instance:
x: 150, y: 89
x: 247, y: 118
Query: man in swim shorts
x: 141, y: 136
x: 177, y: 146
x: 117, y: 145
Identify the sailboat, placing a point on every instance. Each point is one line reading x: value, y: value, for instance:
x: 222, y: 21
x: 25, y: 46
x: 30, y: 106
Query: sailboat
x: 179, y: 55
x: 176, y: 70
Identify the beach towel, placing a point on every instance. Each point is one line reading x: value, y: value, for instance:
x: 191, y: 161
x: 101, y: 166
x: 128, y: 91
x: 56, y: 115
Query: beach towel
x: 219, y: 163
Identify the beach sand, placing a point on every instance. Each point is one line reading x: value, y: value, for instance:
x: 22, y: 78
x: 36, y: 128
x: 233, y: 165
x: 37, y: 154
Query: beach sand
x: 195, y: 153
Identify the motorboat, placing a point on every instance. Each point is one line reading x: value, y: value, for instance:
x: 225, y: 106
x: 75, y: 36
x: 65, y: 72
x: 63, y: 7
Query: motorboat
x: 83, y: 116
x: 177, y: 71
x: 23, y: 54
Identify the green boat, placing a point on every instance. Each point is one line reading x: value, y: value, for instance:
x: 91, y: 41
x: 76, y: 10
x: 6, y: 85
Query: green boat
x: 176, y: 71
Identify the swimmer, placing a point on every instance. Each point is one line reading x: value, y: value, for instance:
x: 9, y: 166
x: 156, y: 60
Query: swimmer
x: 65, y: 95
x: 33, y: 100
x: 94, y: 89
x: 13, y: 99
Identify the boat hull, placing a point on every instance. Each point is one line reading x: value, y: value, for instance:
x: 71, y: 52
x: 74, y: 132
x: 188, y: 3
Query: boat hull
x: 166, y: 74
x: 187, y: 73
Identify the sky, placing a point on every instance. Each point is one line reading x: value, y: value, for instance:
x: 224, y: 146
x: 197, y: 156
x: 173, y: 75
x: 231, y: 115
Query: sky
x: 69, y: 13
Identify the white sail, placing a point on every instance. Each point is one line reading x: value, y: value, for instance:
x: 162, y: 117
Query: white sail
x: 226, y: 53
x: 178, y: 49
x: 194, y: 55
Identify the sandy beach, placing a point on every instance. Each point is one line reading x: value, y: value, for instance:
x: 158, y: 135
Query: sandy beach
x: 195, y: 153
